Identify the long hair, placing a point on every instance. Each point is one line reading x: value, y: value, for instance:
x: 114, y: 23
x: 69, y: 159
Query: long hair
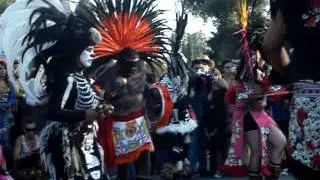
x: 6, y: 79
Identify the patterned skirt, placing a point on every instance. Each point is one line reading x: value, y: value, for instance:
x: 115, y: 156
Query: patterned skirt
x: 72, y: 153
x: 304, y: 126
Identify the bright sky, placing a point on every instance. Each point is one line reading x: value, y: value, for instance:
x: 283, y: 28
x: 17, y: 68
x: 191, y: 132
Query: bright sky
x: 195, y: 24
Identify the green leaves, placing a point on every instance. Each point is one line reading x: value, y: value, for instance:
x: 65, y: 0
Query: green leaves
x: 4, y: 4
x: 224, y: 43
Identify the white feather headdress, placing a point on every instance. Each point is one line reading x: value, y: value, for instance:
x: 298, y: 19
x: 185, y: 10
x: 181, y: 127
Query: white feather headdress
x: 40, y: 30
x: 14, y: 27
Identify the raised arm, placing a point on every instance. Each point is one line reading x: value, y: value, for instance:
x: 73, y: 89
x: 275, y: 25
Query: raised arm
x: 274, y: 39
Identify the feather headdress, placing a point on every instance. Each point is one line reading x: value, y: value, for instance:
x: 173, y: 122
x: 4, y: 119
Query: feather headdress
x: 177, y: 67
x: 133, y: 24
x: 41, y: 30
x: 242, y: 7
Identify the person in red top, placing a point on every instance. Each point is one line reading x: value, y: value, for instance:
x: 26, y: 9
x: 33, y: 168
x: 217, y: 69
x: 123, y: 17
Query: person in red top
x: 252, y: 124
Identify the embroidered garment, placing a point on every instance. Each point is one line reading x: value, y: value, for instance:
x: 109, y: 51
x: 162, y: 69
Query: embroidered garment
x: 124, y: 138
x: 82, y: 156
x: 304, y: 125
x: 234, y: 164
x: 129, y: 136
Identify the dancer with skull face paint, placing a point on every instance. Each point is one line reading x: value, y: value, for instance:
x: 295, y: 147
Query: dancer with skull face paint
x: 69, y: 146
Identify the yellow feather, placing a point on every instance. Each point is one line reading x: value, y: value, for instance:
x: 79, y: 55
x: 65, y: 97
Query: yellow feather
x: 243, y: 10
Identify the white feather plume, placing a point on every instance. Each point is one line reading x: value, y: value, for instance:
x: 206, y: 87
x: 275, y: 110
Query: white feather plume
x: 14, y: 26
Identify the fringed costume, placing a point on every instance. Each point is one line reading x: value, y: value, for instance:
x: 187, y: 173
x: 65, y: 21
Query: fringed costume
x: 175, y: 125
x: 173, y: 137
x: 49, y: 34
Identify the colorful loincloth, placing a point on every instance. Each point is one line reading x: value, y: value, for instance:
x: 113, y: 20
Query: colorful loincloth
x: 124, y: 138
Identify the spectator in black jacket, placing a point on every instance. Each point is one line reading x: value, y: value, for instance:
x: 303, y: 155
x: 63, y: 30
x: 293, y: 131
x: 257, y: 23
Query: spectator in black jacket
x: 217, y: 127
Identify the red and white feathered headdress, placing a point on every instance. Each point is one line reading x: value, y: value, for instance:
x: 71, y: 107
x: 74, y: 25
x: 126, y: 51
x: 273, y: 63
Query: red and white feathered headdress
x: 133, y: 24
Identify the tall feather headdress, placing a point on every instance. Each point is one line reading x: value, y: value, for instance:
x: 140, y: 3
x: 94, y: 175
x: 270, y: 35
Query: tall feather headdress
x: 39, y: 29
x: 134, y: 24
x: 242, y: 7
x: 177, y: 66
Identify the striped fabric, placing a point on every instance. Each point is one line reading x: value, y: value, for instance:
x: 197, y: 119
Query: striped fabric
x: 87, y: 98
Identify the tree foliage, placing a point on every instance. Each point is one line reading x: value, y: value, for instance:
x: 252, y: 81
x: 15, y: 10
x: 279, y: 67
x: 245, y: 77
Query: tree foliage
x: 224, y: 43
x: 194, y: 44
x: 4, y: 4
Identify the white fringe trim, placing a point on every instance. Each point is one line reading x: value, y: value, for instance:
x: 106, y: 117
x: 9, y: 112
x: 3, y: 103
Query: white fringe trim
x: 182, y: 128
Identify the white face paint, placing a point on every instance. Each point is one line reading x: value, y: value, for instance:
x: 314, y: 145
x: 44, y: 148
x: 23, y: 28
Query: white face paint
x: 86, y: 57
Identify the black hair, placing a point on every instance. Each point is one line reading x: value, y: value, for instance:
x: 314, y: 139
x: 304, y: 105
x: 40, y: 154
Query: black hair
x: 292, y: 11
x: 59, y: 68
x: 127, y: 53
x: 72, y: 34
x: 226, y: 62
x: 28, y: 120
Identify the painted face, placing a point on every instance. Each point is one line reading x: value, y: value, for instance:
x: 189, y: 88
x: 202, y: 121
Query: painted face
x: 86, y: 57
x: 129, y: 66
x: 3, y: 71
